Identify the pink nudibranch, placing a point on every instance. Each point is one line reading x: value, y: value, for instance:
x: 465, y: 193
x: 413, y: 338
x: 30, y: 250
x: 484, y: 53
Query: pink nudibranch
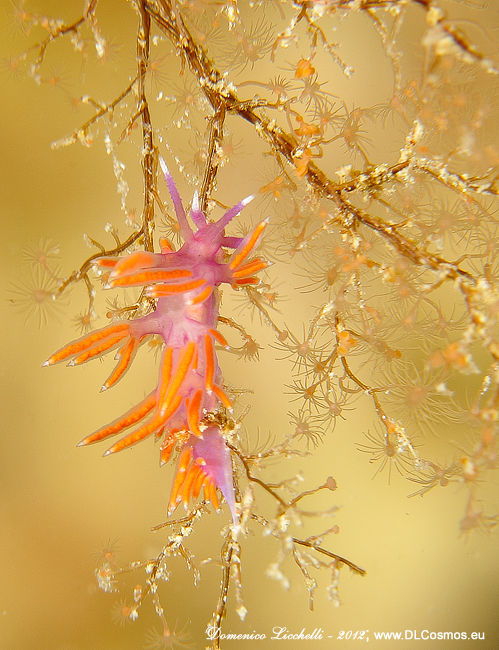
x: 184, y: 282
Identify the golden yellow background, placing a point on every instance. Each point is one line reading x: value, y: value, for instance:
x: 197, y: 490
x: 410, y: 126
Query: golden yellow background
x: 60, y: 505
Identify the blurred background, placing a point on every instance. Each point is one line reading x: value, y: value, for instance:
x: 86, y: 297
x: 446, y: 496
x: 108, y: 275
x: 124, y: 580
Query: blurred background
x: 61, y: 507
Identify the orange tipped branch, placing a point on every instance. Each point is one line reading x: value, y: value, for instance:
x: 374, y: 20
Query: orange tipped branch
x: 136, y: 260
x: 201, y: 297
x: 130, y: 418
x: 197, y: 484
x: 167, y: 447
x: 193, y: 413
x: 185, y: 490
x: 240, y: 255
x: 216, y: 335
x: 249, y: 268
x: 107, y: 262
x: 166, y: 247
x: 222, y: 397
x: 166, y: 373
x: 84, y: 343
x: 212, y: 494
x: 148, y: 277
x: 97, y: 350
x: 179, y: 375
x: 183, y: 464
x: 127, y: 353
x: 244, y: 281
x: 153, y: 426
x: 210, y: 363
x: 169, y: 289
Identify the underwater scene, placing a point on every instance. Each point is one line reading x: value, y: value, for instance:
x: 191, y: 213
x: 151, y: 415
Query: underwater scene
x: 271, y: 229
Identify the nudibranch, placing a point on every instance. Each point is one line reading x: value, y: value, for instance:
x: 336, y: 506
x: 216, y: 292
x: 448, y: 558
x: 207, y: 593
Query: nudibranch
x: 190, y: 386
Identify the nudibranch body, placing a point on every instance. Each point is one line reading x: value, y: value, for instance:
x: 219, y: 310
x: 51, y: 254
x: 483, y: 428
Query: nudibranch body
x: 184, y: 282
